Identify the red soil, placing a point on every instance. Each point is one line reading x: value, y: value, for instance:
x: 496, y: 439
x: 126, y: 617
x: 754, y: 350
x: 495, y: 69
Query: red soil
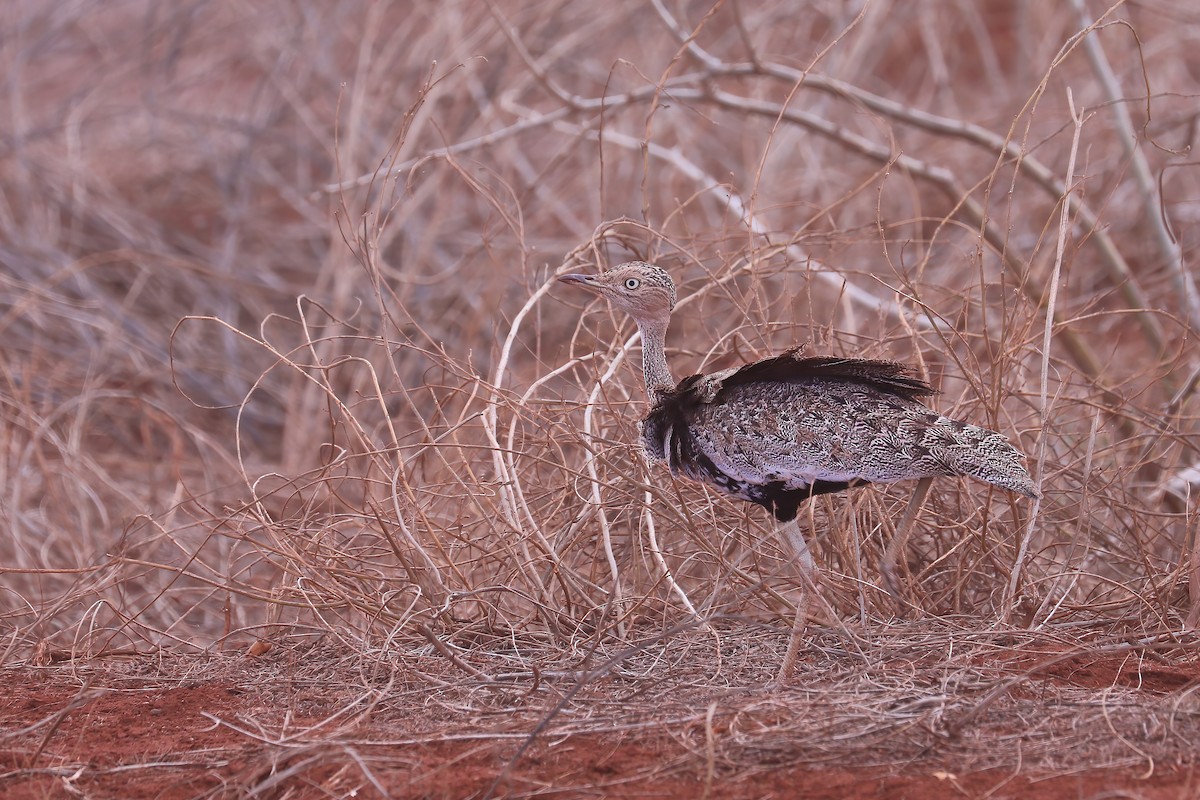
x: 110, y: 736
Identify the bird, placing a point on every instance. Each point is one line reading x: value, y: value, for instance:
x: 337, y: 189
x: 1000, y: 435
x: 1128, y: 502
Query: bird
x: 780, y: 431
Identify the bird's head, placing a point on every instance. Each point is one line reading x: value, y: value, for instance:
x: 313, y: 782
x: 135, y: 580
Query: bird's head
x: 642, y: 290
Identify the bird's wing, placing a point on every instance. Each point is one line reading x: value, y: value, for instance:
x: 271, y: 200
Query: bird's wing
x: 888, y: 377
x: 666, y: 430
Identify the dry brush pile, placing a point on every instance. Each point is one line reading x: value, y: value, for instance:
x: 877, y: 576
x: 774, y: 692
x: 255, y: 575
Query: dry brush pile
x: 284, y: 357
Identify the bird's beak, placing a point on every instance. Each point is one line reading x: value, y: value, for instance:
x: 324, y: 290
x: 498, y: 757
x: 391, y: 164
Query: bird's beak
x: 586, y: 281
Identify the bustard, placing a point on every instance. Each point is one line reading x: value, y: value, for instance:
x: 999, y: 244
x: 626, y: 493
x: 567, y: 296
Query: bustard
x: 782, y: 430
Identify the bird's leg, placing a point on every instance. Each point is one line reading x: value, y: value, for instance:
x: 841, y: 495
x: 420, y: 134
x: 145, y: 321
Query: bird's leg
x: 903, y: 529
x: 791, y: 535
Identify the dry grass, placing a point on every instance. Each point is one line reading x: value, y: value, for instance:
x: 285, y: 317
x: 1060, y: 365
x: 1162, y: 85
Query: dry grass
x: 284, y: 361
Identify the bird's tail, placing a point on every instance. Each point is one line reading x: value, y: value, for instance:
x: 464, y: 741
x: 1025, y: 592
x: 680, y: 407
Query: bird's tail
x: 987, y: 455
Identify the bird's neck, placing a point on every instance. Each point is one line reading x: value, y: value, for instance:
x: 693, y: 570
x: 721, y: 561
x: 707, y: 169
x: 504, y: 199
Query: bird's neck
x: 654, y: 359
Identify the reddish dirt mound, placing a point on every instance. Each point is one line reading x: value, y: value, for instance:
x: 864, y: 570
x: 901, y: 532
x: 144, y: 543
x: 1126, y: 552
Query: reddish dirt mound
x: 1102, y: 672
x: 113, y: 734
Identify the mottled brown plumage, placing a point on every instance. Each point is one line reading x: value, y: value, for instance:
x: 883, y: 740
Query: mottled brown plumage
x: 783, y: 429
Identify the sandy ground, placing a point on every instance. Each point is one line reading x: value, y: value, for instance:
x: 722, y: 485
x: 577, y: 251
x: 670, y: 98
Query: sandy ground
x: 226, y: 726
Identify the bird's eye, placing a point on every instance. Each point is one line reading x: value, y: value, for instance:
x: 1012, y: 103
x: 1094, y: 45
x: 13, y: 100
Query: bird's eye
x: 632, y: 283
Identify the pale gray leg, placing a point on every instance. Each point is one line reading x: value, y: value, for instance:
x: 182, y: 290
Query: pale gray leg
x: 793, y: 539
x: 903, y: 529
